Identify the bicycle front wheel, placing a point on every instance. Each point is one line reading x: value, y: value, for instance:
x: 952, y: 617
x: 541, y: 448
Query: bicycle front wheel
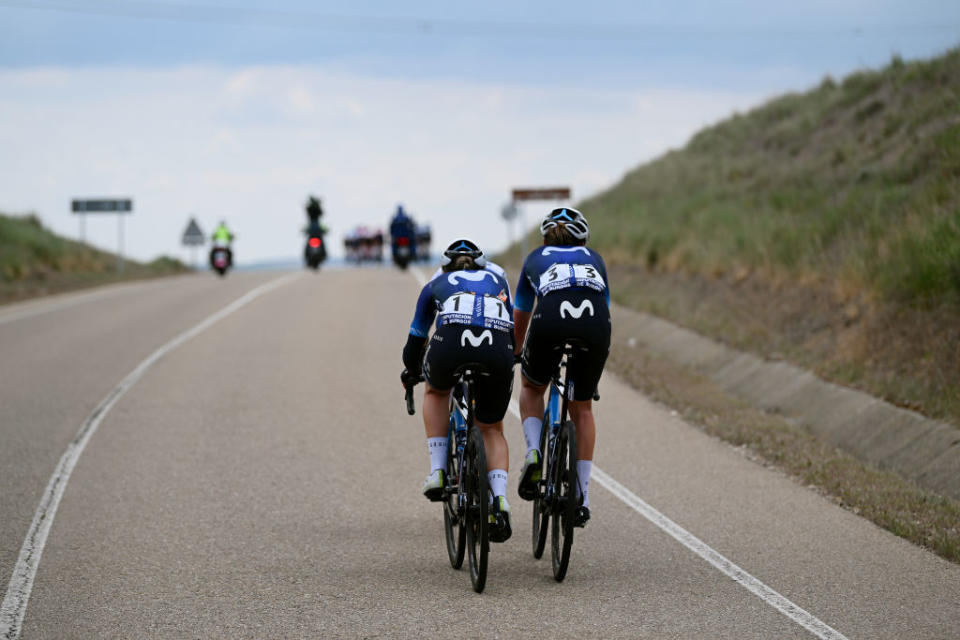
x: 541, y: 512
x: 475, y: 479
x: 564, y: 478
x: 454, y: 528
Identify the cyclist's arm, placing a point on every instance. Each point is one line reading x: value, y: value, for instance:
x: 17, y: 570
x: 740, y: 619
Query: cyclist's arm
x: 606, y: 280
x: 521, y: 320
x: 413, y: 353
x: 419, y: 329
x: 522, y: 308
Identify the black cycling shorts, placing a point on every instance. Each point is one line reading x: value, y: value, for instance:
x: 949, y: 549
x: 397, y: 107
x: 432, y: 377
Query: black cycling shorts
x: 453, y: 345
x: 564, y: 315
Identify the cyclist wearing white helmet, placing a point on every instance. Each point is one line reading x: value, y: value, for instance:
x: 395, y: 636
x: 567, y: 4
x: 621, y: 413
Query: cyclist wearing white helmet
x: 474, y: 324
x: 570, y: 286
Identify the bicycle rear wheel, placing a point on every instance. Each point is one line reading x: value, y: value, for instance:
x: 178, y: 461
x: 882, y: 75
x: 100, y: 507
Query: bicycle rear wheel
x: 475, y: 479
x: 564, y: 478
x: 541, y: 512
x: 455, y: 531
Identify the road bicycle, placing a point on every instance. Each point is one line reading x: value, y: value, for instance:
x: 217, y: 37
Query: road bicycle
x: 556, y: 500
x: 466, y: 492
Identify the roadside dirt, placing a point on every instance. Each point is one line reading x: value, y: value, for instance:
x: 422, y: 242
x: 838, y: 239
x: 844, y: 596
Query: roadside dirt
x: 908, y: 357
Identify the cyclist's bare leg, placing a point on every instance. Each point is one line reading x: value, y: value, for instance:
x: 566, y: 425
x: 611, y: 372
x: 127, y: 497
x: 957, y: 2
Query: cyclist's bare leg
x: 495, y: 445
x: 581, y: 412
x: 531, y: 399
x: 436, y: 411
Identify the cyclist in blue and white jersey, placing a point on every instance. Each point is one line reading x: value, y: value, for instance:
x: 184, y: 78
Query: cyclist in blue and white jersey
x: 572, y: 293
x: 474, y: 323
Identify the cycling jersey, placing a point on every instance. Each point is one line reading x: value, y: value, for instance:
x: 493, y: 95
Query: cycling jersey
x: 466, y: 297
x: 490, y: 266
x: 548, y: 269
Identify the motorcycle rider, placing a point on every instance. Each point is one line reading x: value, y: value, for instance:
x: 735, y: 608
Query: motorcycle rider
x: 314, y: 212
x: 222, y: 237
x: 569, y: 283
x: 402, y: 226
x: 474, y: 323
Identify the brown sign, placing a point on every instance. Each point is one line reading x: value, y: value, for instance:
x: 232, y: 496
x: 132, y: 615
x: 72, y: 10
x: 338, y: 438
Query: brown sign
x: 555, y: 193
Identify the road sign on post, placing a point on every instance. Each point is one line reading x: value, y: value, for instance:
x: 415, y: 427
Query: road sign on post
x: 540, y: 193
x: 552, y: 193
x: 102, y: 206
x: 193, y: 237
x: 119, y: 206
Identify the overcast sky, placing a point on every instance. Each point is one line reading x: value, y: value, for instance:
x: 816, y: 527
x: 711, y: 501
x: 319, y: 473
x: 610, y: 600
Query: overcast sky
x: 237, y: 109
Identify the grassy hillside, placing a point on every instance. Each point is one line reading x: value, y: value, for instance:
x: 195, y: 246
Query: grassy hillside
x: 35, y: 261
x: 857, y: 181
x: 822, y: 227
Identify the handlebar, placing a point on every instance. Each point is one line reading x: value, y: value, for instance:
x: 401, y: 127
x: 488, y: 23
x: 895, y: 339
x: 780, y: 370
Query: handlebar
x: 409, y: 395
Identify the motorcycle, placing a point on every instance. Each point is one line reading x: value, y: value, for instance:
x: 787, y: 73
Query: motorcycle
x: 221, y: 259
x: 315, y: 252
x: 402, y: 252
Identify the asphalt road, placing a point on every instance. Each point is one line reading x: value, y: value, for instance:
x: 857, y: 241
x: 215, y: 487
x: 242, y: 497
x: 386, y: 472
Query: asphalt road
x: 261, y: 480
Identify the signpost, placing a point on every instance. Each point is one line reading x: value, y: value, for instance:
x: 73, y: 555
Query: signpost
x: 509, y: 213
x: 526, y: 194
x: 193, y: 237
x: 119, y: 206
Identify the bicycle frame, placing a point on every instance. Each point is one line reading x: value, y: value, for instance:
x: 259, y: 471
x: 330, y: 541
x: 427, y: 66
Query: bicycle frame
x: 554, y: 416
x: 461, y: 420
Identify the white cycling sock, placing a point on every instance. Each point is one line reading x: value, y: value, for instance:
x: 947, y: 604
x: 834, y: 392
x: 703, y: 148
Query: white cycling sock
x: 583, y: 479
x: 531, y: 431
x: 438, y: 453
x: 497, y: 479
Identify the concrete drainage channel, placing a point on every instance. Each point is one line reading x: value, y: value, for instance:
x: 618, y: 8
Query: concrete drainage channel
x: 923, y: 450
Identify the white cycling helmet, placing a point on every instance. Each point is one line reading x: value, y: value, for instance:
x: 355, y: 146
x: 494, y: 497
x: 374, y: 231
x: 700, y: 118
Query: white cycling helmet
x: 463, y: 247
x: 571, y: 219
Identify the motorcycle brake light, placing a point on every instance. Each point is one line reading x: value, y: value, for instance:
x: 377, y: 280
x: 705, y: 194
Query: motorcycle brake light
x: 315, y: 242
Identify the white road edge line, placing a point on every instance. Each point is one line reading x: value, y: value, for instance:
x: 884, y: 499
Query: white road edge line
x: 14, y: 606
x: 801, y: 616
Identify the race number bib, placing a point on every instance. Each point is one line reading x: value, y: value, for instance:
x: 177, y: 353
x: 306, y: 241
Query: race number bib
x: 458, y: 309
x: 477, y: 310
x: 562, y: 276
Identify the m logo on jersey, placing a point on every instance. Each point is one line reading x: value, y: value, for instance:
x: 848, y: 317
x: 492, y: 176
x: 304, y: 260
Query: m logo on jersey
x: 474, y: 340
x: 550, y: 250
x: 474, y: 276
x: 567, y: 309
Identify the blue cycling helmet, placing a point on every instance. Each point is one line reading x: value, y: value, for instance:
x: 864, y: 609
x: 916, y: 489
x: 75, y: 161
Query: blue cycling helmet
x: 571, y: 219
x: 463, y: 247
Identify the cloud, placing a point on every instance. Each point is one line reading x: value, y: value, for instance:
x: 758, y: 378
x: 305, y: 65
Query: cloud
x: 248, y: 146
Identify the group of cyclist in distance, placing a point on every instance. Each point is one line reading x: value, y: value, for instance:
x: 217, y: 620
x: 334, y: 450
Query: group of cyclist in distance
x: 563, y: 293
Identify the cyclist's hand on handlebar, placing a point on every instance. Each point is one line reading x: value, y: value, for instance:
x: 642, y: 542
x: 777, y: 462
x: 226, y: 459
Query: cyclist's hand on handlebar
x: 409, y: 379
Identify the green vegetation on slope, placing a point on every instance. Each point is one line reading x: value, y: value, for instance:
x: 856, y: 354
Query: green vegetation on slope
x: 857, y: 182
x: 821, y: 227
x: 35, y: 261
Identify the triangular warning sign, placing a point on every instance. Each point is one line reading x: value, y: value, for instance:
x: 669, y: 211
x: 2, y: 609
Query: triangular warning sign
x: 193, y: 235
